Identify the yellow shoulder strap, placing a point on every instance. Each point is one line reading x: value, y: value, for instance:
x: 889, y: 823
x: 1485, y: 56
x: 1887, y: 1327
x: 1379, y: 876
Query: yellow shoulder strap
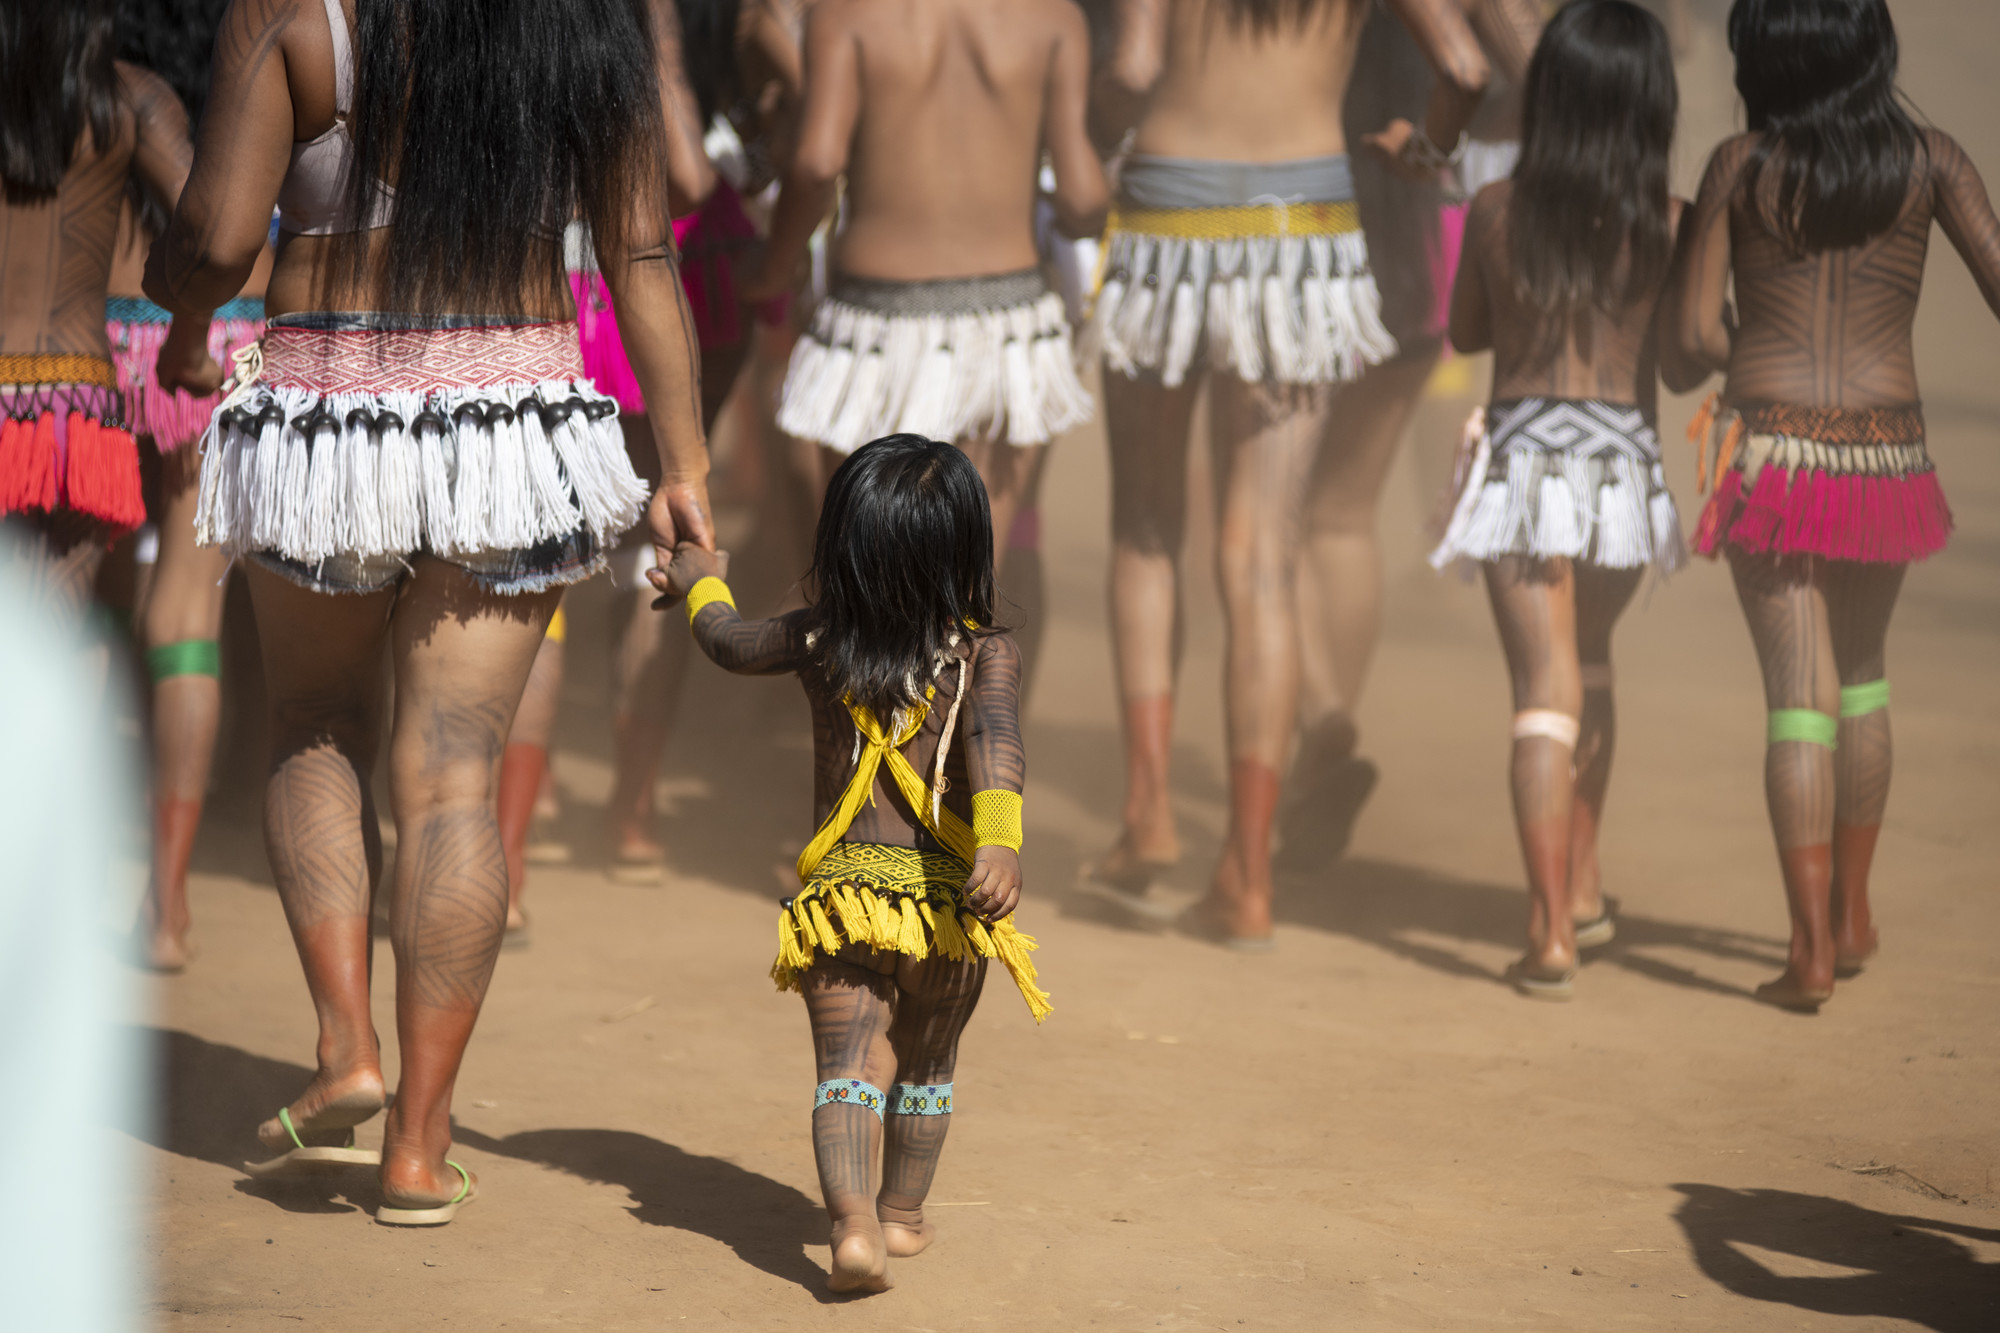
x: 878, y: 746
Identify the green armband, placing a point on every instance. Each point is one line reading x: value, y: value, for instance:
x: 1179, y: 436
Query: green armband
x: 707, y: 591
x: 1803, y: 724
x: 996, y: 818
x: 1860, y: 700
x: 189, y: 657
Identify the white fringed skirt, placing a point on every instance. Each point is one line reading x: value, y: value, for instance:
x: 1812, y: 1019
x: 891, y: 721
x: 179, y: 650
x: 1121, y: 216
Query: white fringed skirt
x: 1257, y: 268
x: 953, y: 359
x: 370, y: 442
x: 1576, y: 478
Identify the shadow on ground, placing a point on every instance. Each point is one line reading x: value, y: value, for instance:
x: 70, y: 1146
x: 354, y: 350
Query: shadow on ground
x: 213, y: 1096
x: 763, y: 1221
x: 1905, y: 1267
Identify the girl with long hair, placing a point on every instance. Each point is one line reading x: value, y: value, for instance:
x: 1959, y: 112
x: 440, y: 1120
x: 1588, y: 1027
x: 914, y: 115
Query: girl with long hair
x: 1824, y: 491
x: 909, y: 886
x: 180, y: 621
x: 1565, y: 503
x: 418, y: 466
x: 75, y: 125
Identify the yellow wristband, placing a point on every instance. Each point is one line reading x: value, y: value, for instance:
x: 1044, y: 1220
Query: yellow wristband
x: 705, y: 591
x: 996, y: 819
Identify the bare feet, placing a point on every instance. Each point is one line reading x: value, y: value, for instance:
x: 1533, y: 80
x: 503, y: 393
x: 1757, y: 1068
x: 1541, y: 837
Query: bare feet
x: 905, y: 1231
x: 1789, y: 992
x: 1852, y: 954
x: 636, y: 856
x: 1138, y: 858
x: 168, y: 950
x: 1235, y: 913
x: 860, y: 1257
x: 326, y: 1113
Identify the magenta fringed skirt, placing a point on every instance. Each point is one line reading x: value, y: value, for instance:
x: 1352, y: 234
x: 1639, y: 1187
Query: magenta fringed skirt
x: 136, y: 328
x: 711, y: 240
x: 1841, y: 483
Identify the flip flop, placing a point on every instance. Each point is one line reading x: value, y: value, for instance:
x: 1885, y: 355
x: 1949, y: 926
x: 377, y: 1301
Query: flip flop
x: 435, y: 1216
x: 638, y: 870
x: 1127, y: 891
x: 1542, y: 983
x: 1601, y: 929
x: 304, y: 1161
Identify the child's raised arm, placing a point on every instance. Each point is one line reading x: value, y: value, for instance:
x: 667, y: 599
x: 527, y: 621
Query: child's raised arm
x: 771, y: 647
x: 996, y: 765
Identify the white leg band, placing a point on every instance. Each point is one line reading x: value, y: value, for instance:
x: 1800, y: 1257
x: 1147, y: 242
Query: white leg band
x: 1546, y: 723
x: 1596, y: 675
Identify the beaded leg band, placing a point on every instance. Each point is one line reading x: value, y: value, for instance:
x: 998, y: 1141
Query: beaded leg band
x: 849, y: 1092
x: 920, y: 1099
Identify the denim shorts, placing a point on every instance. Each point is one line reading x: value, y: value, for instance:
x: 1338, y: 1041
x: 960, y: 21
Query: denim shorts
x: 555, y: 563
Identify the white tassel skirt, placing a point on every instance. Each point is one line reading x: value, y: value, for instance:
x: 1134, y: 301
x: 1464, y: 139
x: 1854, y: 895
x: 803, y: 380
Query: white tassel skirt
x: 952, y: 359
x: 1259, y: 269
x: 1574, y: 478
x: 364, y: 446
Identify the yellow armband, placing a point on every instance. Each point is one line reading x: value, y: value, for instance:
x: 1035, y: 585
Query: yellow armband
x: 705, y: 591
x: 996, y: 819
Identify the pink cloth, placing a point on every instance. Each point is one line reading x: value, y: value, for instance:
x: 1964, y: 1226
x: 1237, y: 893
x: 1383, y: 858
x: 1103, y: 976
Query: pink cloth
x: 1444, y: 263
x: 174, y: 419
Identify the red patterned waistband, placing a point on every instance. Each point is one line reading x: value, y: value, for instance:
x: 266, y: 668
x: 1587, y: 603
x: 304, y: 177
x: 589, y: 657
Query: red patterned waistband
x: 419, y: 360
x: 1841, y: 426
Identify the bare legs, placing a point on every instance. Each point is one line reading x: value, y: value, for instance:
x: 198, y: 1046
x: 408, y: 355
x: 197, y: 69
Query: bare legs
x: 182, y: 621
x: 1340, y: 605
x: 882, y: 1018
x: 1264, y: 437
x: 461, y: 658
x: 1554, y: 619
x: 1819, y: 625
x: 1148, y: 427
x: 523, y: 768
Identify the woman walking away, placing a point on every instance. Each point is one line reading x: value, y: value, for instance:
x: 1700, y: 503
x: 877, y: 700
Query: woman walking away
x: 1565, y: 503
x: 75, y: 126
x: 910, y: 883
x: 1824, y: 492
x: 420, y: 467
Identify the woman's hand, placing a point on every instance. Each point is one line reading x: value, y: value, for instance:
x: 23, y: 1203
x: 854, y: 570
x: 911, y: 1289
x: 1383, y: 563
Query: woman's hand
x: 994, y: 888
x: 184, y: 360
x: 679, y: 512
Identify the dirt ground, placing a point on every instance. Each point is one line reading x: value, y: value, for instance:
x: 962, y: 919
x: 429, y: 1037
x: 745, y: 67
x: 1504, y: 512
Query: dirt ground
x: 1365, y: 1129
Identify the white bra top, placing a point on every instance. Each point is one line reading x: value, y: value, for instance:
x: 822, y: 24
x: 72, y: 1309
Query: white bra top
x: 313, y: 199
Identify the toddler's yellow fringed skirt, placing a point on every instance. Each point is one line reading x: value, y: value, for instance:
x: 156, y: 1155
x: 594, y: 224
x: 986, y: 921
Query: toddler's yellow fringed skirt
x: 900, y: 900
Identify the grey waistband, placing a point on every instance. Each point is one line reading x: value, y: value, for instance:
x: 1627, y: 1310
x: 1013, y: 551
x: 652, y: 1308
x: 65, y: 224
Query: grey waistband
x: 941, y: 296
x: 1192, y: 182
x: 380, y: 321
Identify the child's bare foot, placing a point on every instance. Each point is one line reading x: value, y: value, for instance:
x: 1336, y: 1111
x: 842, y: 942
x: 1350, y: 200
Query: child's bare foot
x: 860, y: 1257
x: 328, y: 1110
x: 905, y: 1231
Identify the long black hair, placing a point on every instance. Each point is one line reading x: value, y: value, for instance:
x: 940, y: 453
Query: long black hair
x: 56, y: 80
x: 708, y: 52
x: 903, y: 560
x: 498, y: 122
x: 175, y: 40
x: 1590, y: 198
x: 1818, y: 79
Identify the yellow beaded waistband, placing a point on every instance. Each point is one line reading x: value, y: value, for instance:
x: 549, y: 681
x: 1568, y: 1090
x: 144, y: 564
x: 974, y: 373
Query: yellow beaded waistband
x: 1240, y: 220
x: 57, y: 368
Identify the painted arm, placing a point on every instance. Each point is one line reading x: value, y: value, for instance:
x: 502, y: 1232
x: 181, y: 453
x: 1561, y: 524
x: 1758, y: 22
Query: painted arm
x: 244, y: 148
x: 771, y: 647
x: 996, y: 767
x: 1696, y: 325
x: 826, y: 132
x: 1138, y: 58
x: 1471, y: 308
x: 161, y: 159
x: 1965, y: 212
x: 1448, y: 42
x: 1081, y: 196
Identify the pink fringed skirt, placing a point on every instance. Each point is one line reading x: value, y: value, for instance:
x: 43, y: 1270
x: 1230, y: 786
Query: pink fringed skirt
x: 1841, y: 483
x: 136, y: 328
x: 711, y: 240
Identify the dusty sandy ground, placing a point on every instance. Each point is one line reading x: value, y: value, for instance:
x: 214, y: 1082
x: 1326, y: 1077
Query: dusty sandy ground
x: 1366, y: 1129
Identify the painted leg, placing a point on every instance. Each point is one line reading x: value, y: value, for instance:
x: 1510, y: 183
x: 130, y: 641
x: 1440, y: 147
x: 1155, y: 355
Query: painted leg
x: 935, y: 998
x: 850, y: 1007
